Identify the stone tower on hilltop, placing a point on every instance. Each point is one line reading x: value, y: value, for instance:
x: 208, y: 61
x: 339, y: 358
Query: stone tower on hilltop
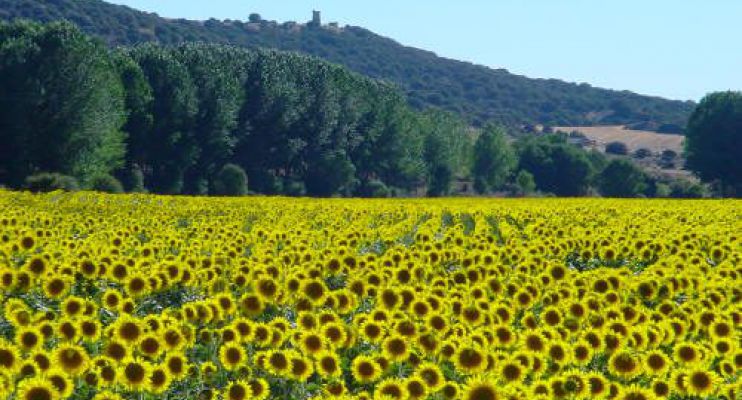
x: 316, y: 18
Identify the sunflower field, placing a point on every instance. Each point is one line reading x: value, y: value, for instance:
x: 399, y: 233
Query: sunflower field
x: 140, y: 297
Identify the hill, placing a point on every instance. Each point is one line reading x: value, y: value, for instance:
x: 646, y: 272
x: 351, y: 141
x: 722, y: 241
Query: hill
x: 476, y: 92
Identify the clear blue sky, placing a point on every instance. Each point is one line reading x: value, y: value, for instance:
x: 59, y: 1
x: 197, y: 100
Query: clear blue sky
x: 680, y: 49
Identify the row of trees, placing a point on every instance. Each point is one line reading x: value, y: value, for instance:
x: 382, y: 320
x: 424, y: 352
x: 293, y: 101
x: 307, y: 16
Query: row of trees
x: 201, y: 119
x: 168, y: 119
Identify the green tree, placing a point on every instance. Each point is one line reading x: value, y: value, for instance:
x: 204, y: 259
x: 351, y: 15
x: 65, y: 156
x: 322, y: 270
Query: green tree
x: 714, y: 138
x: 525, y: 183
x: 61, y: 103
x: 218, y: 73
x: 445, y: 149
x: 622, y: 178
x: 494, y: 159
x: 557, y: 166
x: 169, y: 147
x: 231, y: 181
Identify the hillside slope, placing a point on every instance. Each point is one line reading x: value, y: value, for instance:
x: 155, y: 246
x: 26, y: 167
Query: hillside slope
x: 476, y: 92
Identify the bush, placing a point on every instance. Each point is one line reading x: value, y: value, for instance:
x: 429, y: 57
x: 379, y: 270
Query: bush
x: 525, y: 183
x: 296, y: 188
x: 684, y: 189
x: 374, y: 188
x: 107, y: 184
x: 51, y: 181
x: 231, y: 181
x: 642, y: 153
x: 617, y: 148
x: 621, y: 178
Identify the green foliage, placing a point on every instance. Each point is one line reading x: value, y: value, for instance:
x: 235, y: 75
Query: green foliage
x: 168, y: 119
x: 61, y: 103
x: 525, y: 183
x: 684, y: 189
x: 106, y: 183
x: 374, y: 188
x: 617, y: 148
x: 47, y: 182
x: 622, y: 178
x: 714, y: 139
x: 231, y: 181
x: 556, y: 166
x: 494, y: 160
x: 167, y: 147
x: 479, y: 94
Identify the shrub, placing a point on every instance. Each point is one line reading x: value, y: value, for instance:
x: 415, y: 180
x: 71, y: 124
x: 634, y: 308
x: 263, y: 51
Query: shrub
x: 374, y: 188
x: 621, y: 178
x: 525, y: 183
x: 642, y: 153
x: 231, y: 181
x: 50, y: 181
x: 107, y: 184
x: 617, y: 148
x: 684, y: 189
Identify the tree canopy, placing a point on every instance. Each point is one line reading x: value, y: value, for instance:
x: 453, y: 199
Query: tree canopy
x: 476, y: 93
x: 714, y: 139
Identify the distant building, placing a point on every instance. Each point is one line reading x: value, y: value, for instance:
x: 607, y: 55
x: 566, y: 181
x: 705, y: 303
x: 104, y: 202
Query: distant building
x: 316, y: 18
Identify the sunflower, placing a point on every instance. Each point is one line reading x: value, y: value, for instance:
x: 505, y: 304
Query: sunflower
x: 159, y: 380
x: 61, y: 383
x: 29, y: 338
x: 390, y: 388
x: 687, y: 354
x: 660, y: 389
x: 134, y: 374
x: 267, y: 289
x: 177, y: 365
x: 511, y: 371
x: 701, y: 383
x: 128, y: 329
x: 150, y: 346
x: 56, y: 287
x: 117, y: 350
x: 71, y: 359
x: 416, y: 388
x: 237, y: 390
x: 625, y: 365
x: 259, y: 389
x: 470, y: 359
x: 334, y: 333
x: 656, y: 363
x: 480, y: 388
x: 37, y: 389
x: 112, y: 299
x: 450, y: 390
x: 365, y: 369
x: 372, y: 331
x: 534, y: 342
x: 106, y: 395
x: 232, y: 356
x: 557, y: 352
x: 635, y: 393
x: 312, y: 343
x: 431, y: 374
x: 42, y: 359
x: 396, y: 348
x: 721, y: 330
x: 277, y: 362
x: 314, y: 290
x: 328, y: 364
x: 301, y: 368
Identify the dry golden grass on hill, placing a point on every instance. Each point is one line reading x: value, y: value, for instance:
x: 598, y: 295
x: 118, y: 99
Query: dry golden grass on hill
x: 602, y: 135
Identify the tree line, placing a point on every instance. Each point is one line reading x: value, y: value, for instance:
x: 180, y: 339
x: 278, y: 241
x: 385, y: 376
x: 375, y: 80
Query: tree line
x: 476, y: 93
x: 209, y: 119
